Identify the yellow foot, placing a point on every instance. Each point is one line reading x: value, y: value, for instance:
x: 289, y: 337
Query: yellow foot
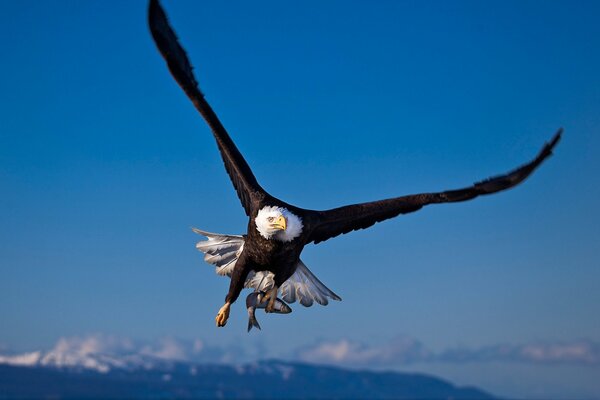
x: 271, y: 296
x: 223, y: 315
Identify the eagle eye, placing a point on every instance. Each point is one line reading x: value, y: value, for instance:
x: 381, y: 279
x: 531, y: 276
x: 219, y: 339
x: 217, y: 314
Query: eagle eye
x: 270, y: 219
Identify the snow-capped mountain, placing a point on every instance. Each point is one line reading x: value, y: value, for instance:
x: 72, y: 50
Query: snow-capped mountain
x: 102, y: 354
x: 96, y: 362
x: 108, y: 367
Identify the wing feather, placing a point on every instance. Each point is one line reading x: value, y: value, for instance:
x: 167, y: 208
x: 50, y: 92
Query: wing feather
x: 342, y: 220
x: 220, y: 250
x: 244, y: 182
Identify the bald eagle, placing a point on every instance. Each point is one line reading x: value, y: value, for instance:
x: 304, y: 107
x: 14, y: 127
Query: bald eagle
x: 267, y: 258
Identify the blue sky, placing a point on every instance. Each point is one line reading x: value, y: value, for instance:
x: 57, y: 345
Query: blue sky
x: 105, y: 165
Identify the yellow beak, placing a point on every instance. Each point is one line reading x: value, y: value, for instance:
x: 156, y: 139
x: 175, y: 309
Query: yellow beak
x: 280, y: 223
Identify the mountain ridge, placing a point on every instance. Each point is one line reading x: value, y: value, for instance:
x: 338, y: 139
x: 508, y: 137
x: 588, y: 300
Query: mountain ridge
x: 268, y: 379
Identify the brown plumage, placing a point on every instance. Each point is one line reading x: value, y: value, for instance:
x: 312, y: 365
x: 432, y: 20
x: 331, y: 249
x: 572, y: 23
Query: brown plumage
x: 281, y: 257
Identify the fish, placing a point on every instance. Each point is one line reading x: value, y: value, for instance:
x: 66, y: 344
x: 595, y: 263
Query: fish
x: 255, y: 300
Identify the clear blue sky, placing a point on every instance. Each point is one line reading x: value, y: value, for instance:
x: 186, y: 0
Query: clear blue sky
x: 105, y: 165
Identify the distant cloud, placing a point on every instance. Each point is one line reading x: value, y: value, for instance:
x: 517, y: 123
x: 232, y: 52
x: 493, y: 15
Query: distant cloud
x: 171, y: 349
x: 22, y: 360
x: 576, y: 352
x: 404, y: 351
x: 104, y: 352
x: 83, y: 351
x: 93, y: 344
x: 400, y: 350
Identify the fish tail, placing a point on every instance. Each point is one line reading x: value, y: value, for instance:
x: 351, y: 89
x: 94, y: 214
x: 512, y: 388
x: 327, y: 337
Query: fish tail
x: 253, y: 322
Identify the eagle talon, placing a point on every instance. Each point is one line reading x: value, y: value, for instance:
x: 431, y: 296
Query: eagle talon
x: 270, y: 307
x: 271, y: 295
x: 223, y: 315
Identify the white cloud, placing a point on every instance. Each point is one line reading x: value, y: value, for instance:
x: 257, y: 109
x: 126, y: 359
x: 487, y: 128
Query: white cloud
x: 579, y: 352
x: 104, y: 352
x: 575, y: 352
x: 22, y: 360
x: 93, y: 344
x: 405, y: 351
x: 401, y: 350
x: 167, y: 349
x: 90, y: 352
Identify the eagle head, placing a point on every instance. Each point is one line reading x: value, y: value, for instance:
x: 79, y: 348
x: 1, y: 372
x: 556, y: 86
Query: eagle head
x: 278, y: 223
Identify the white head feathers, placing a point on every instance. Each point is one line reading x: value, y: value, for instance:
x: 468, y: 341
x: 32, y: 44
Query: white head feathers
x: 268, y: 214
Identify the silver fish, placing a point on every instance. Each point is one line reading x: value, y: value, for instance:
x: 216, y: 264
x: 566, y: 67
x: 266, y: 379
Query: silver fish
x: 255, y: 300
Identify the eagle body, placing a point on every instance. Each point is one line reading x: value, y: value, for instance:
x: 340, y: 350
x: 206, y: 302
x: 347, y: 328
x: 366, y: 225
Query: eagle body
x: 267, y: 257
x: 261, y: 254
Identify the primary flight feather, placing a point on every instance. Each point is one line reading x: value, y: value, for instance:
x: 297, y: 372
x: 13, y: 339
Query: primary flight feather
x: 267, y: 258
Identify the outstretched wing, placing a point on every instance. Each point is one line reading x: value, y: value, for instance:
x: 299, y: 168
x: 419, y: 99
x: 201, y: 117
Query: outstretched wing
x: 302, y: 286
x: 241, y: 175
x: 341, y: 220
